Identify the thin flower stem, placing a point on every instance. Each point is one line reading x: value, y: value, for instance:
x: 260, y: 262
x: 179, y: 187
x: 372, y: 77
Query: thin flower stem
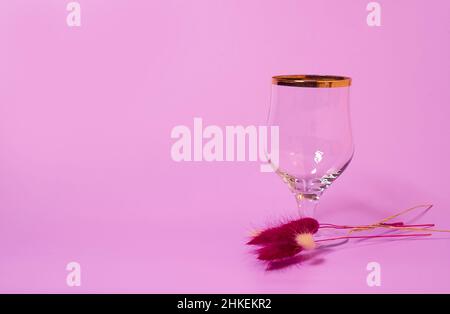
x: 376, y: 236
x: 331, y: 226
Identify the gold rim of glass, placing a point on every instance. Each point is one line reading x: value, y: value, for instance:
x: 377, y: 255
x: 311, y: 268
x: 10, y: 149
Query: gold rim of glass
x: 307, y: 80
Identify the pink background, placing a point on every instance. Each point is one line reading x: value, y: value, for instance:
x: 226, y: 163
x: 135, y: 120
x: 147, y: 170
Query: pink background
x: 85, y: 120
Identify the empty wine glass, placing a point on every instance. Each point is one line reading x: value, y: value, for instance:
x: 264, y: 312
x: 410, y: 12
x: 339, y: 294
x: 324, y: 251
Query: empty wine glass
x: 315, y: 143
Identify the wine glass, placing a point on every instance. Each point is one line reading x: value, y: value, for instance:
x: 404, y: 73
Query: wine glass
x: 315, y: 138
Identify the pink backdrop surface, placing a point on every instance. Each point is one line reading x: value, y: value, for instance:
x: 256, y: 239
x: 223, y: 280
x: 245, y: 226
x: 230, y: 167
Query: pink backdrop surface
x: 85, y: 119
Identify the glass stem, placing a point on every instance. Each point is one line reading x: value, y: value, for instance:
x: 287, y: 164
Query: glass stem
x: 306, y: 206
